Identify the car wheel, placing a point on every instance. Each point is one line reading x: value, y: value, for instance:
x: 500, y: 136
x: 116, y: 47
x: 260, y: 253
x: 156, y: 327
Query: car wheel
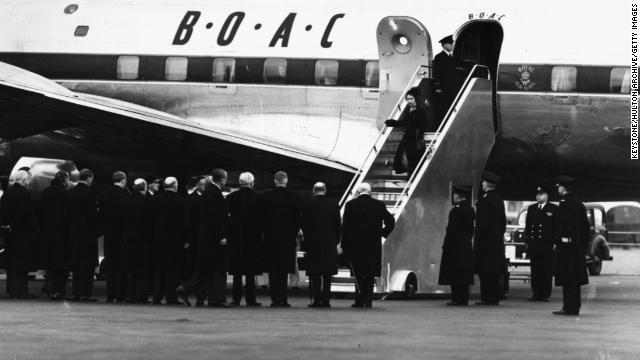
x: 596, y: 265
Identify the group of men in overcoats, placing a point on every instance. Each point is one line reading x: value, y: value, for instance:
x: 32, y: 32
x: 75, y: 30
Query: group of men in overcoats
x: 556, y: 239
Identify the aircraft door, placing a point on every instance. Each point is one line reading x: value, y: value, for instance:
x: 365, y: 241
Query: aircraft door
x: 403, y: 45
x: 478, y: 42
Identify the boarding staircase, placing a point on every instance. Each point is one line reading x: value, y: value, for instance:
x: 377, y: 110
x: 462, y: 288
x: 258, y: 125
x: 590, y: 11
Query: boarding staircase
x: 454, y: 155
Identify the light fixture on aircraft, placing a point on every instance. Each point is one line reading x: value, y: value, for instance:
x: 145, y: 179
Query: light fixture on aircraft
x: 401, y: 43
x: 70, y: 9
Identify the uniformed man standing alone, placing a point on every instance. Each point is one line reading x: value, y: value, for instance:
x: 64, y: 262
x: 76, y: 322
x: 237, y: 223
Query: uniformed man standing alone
x: 571, y: 245
x: 365, y: 221
x: 456, y: 267
x: 488, y: 249
x: 540, y: 231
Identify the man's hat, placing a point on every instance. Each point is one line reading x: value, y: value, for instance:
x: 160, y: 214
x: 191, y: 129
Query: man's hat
x: 564, y: 180
x: 490, y: 177
x: 542, y: 190
x: 461, y: 189
x: 154, y: 179
x: 446, y: 40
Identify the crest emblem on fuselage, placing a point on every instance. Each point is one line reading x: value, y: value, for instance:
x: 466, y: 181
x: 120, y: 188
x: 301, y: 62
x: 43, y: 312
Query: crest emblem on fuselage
x: 525, y: 83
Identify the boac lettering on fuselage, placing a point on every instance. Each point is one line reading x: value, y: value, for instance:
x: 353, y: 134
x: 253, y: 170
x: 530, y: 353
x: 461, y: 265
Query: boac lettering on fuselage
x: 233, y: 22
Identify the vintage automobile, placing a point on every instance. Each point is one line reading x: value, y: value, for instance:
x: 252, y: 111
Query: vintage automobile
x: 597, y: 249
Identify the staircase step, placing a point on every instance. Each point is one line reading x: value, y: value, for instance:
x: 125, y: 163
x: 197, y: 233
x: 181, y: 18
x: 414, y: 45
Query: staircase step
x: 389, y: 198
x: 388, y: 184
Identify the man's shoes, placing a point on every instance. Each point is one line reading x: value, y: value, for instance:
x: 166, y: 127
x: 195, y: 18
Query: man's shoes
x: 173, y: 303
x: 280, y: 305
x: 314, y: 305
x: 182, y: 295
x: 324, y: 305
x: 254, y: 304
x: 285, y: 305
x: 274, y: 305
x: 225, y: 305
x: 488, y: 303
x: 87, y: 299
x: 357, y: 305
x: 562, y: 312
x: 235, y: 303
x: 199, y: 303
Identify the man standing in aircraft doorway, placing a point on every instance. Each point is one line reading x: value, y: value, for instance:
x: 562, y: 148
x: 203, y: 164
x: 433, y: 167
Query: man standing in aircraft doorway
x: 445, y: 82
x: 491, y: 223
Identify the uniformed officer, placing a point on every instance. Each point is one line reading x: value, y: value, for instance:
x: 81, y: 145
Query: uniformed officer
x: 539, y: 237
x: 365, y: 221
x: 571, y: 246
x: 456, y: 267
x: 445, y: 81
x: 488, y: 247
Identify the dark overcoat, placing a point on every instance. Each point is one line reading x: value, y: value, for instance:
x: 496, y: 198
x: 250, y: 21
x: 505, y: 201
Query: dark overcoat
x: 55, y: 226
x: 540, y: 229
x: 170, y: 231
x: 245, y: 232
x: 456, y: 266
x: 83, y: 226
x: 415, y: 124
x: 365, y: 222
x: 571, y: 267
x: 18, y: 213
x: 491, y: 224
x: 321, y: 228
x: 281, y: 223
x: 214, y: 217
x: 110, y: 205
x: 445, y: 74
x: 137, y: 234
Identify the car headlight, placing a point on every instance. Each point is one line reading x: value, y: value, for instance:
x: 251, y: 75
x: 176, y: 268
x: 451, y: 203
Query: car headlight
x: 507, y: 236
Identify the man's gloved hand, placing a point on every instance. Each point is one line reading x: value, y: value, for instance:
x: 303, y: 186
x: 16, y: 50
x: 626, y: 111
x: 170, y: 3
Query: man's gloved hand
x: 390, y: 122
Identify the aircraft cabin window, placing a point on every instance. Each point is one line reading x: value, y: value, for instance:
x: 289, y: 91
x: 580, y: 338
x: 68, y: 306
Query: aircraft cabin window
x: 224, y: 70
x: 326, y: 72
x: 175, y: 68
x: 275, y: 71
x: 620, y: 80
x: 563, y: 78
x: 81, y: 30
x: 371, y: 74
x: 127, y: 67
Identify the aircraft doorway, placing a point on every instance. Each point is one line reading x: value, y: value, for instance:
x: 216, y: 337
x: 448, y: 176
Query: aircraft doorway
x: 478, y: 42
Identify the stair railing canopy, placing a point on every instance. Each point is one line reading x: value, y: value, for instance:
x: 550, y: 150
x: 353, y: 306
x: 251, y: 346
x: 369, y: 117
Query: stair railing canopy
x: 421, y: 72
x: 478, y: 71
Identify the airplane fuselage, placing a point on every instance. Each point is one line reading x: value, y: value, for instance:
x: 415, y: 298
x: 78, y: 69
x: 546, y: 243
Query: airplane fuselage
x: 304, y: 75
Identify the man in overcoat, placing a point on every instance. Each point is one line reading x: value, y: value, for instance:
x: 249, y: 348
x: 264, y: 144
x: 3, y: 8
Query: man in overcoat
x: 170, y: 226
x: 281, y: 224
x: 83, y: 229
x: 55, y: 231
x: 365, y: 222
x: 137, y: 236
x: 540, y: 235
x: 321, y: 226
x: 456, y: 267
x: 488, y: 246
x: 212, y: 263
x: 445, y: 78
x: 245, y: 239
x: 20, y: 223
x: 571, y: 246
x: 110, y: 204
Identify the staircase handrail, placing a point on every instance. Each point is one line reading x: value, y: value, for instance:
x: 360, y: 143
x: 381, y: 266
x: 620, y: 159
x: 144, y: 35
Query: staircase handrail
x: 452, y: 108
x: 421, y: 70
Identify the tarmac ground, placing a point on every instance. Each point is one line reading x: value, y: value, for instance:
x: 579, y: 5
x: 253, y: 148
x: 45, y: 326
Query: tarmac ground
x: 607, y: 328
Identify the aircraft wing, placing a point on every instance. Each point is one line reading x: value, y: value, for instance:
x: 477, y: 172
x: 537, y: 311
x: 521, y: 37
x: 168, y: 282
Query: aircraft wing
x: 32, y: 104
